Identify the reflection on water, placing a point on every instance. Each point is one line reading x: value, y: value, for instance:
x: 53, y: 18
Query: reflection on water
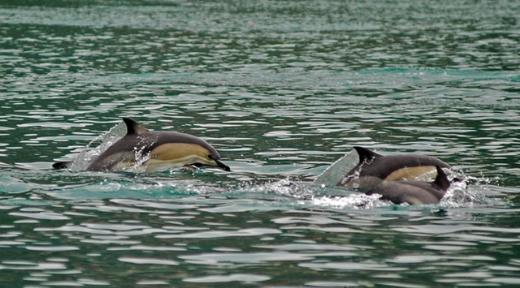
x: 281, y: 89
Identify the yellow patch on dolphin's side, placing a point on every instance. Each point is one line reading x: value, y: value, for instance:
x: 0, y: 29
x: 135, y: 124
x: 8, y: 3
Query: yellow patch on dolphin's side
x: 172, y: 151
x: 153, y: 165
x: 412, y: 173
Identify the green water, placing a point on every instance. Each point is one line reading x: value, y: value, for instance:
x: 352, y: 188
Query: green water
x: 281, y: 89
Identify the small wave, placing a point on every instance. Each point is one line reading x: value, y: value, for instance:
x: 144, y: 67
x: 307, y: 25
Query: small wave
x: 126, y: 186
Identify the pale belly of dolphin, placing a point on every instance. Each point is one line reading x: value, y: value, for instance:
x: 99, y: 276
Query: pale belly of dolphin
x: 156, y: 165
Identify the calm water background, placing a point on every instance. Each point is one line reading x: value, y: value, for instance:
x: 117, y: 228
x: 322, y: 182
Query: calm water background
x: 282, y: 89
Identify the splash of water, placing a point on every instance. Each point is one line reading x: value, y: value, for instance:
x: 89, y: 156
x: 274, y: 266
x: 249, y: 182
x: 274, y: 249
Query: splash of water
x: 140, y: 158
x: 465, y: 191
x: 97, y: 146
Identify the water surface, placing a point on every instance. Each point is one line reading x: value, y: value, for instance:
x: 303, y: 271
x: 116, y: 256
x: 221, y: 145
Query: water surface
x: 281, y: 89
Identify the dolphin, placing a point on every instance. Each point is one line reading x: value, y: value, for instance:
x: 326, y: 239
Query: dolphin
x: 408, y: 191
x: 390, y: 168
x: 159, y: 150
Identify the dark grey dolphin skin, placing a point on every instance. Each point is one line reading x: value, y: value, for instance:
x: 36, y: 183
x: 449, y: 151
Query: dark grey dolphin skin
x: 165, y: 149
x: 411, y: 192
x: 391, y: 167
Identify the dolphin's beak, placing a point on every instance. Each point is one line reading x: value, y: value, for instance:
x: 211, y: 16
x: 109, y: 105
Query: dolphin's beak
x: 221, y: 165
x: 214, y: 159
x: 210, y: 162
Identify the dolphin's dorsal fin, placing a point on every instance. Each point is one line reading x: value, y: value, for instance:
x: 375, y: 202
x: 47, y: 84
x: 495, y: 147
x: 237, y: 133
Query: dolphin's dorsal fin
x: 441, y: 180
x: 132, y: 127
x: 365, y: 154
